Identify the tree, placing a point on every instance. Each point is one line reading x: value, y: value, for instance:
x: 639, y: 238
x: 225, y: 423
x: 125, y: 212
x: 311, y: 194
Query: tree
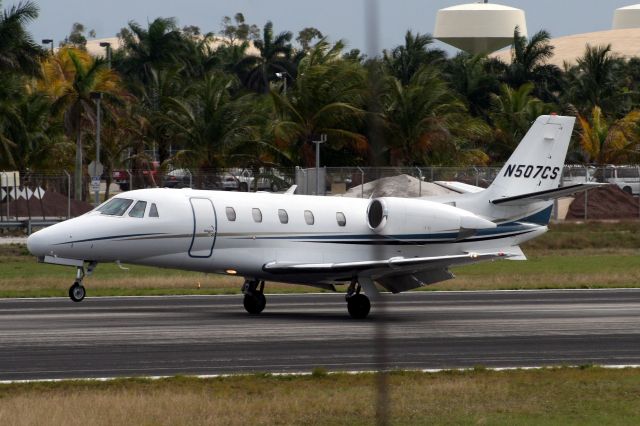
x: 18, y: 52
x: 256, y: 72
x: 69, y: 79
x: 306, y: 36
x: 160, y: 46
x: 596, y: 81
x: 610, y: 143
x: 512, y: 113
x: 327, y: 98
x: 427, y: 124
x: 240, y: 31
x: 207, y: 122
x: 76, y: 37
x: 469, y: 76
x: 529, y: 65
x: 404, y: 61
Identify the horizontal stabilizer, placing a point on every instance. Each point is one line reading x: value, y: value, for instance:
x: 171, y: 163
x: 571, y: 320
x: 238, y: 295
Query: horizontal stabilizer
x: 459, y: 187
x: 547, y: 195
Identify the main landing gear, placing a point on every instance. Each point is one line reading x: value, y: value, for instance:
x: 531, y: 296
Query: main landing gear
x: 77, y: 290
x: 254, y: 300
x: 358, y: 304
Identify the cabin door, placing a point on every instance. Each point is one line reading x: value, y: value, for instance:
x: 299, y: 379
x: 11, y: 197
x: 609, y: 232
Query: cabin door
x: 204, y: 227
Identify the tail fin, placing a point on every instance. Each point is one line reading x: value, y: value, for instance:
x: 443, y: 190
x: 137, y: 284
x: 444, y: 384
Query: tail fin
x: 536, y: 164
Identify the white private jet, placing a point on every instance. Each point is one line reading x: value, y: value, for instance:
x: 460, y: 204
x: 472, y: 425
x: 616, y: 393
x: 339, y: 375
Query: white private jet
x: 399, y: 243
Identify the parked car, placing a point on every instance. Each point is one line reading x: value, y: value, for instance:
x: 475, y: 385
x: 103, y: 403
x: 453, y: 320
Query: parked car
x: 243, y: 180
x: 121, y: 177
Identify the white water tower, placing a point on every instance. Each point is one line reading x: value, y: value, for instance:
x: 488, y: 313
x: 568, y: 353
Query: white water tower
x: 479, y: 27
x: 627, y: 17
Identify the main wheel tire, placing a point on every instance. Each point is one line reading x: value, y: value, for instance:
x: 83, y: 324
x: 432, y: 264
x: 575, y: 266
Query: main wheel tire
x: 77, y: 292
x: 358, y: 306
x: 255, y: 302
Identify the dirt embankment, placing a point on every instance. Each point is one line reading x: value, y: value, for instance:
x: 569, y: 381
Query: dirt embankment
x: 607, y: 202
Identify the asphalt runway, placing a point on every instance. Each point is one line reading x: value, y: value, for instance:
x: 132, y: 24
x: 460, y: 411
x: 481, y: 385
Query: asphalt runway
x: 133, y: 336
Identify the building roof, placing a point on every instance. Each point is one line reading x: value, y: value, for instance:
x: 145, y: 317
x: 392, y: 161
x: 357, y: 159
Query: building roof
x: 624, y: 43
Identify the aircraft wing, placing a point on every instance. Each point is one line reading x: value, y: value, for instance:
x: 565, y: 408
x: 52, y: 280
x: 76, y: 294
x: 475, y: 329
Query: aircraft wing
x: 459, y: 187
x: 381, y: 267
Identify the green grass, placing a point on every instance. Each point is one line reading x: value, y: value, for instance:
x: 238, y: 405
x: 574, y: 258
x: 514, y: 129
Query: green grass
x: 593, y: 255
x: 573, y: 396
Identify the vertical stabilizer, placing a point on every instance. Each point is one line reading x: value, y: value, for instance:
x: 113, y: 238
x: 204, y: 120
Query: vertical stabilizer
x: 536, y: 164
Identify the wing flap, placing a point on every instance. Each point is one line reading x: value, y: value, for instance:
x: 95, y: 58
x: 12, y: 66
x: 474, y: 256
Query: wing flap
x: 392, y: 264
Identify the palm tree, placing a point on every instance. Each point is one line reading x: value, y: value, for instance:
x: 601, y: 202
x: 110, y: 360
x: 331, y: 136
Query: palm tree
x: 404, y: 61
x: 33, y: 135
x: 512, y: 113
x: 469, y: 76
x: 529, y: 64
x: 276, y: 56
x: 18, y: 52
x: 327, y: 98
x: 596, y: 81
x: 158, y: 47
x: 610, y: 143
x: 69, y: 79
x: 207, y: 122
x: 427, y: 124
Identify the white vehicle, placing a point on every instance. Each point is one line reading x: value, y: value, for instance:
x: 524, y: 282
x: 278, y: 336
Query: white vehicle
x: 399, y: 243
x: 626, y: 177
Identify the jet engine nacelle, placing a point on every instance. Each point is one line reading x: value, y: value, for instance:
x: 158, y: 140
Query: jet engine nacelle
x: 402, y: 216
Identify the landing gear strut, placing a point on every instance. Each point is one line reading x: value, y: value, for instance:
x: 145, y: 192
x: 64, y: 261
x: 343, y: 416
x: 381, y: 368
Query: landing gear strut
x: 77, y: 290
x: 358, y: 304
x: 254, y: 300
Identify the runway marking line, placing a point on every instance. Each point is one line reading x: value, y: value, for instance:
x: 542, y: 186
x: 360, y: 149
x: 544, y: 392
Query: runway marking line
x: 309, y: 373
x: 179, y: 296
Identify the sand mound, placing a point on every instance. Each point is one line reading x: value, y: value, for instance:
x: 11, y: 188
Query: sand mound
x: 397, y: 186
x: 607, y: 202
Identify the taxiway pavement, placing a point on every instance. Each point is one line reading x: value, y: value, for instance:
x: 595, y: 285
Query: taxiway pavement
x: 134, y: 336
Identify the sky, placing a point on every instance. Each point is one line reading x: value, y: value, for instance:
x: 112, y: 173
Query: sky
x: 335, y: 18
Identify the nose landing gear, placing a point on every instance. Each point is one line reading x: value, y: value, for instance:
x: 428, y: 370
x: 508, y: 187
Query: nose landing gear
x: 254, y: 300
x: 77, y: 290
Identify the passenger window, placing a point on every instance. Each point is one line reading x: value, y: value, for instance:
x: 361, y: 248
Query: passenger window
x: 153, y: 210
x: 115, y: 207
x: 257, y: 215
x: 284, y: 217
x: 138, y: 209
x: 308, y: 217
x: 342, y: 220
x: 231, y: 214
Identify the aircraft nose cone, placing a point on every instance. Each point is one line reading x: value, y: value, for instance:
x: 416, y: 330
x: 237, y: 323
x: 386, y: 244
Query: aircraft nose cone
x: 36, y: 243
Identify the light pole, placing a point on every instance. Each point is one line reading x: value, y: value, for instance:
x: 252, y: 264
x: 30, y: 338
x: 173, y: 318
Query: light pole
x: 48, y: 41
x: 107, y: 45
x: 283, y: 76
x: 323, y: 139
x: 97, y: 96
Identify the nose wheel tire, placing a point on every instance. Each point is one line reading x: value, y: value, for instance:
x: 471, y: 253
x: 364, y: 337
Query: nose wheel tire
x: 358, y: 306
x: 255, y: 302
x: 77, y: 292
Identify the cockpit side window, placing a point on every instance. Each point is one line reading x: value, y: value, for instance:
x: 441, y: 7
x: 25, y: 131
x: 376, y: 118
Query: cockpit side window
x: 115, y: 207
x: 138, y: 209
x: 153, y: 210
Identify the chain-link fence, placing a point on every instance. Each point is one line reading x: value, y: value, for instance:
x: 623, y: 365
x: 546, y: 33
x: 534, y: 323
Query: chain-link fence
x: 49, y: 196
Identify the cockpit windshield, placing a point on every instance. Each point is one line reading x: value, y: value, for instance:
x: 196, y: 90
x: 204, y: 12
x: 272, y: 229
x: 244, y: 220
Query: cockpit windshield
x: 115, y: 206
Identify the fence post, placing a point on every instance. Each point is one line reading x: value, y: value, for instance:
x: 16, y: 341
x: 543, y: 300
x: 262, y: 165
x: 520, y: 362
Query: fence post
x: 361, y: 182
x: 419, y: 182
x: 68, y: 194
x: 130, y: 179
